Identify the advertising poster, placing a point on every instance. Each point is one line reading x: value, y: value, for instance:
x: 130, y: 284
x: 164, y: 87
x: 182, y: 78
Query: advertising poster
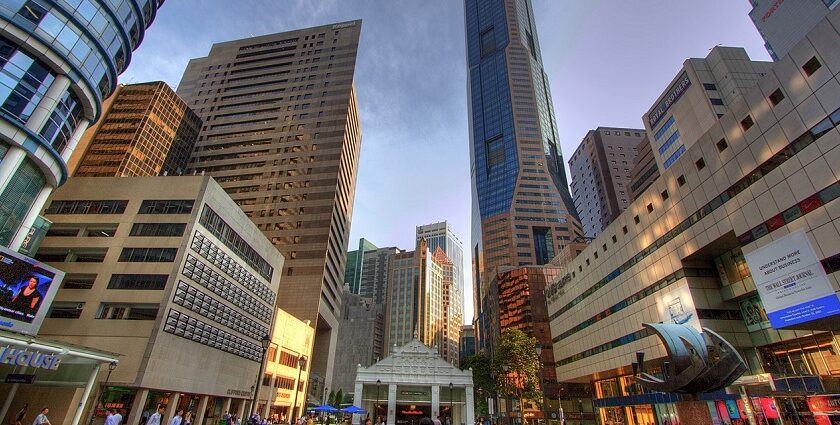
x: 791, y: 281
x: 826, y: 409
x: 27, y: 288
x: 754, y: 315
x: 676, y: 306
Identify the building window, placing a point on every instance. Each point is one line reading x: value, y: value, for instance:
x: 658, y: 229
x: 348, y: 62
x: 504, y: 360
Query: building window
x: 746, y: 123
x: 86, y: 207
x: 700, y: 164
x: 169, y: 206
x: 614, y: 239
x: 776, y: 97
x: 127, y: 311
x: 624, y: 228
x: 681, y: 180
x: 636, y: 219
x: 65, y: 310
x: 721, y: 145
x: 72, y: 281
x: 25, y: 79
x: 664, y: 195
x: 157, y: 229
x: 811, y: 66
x: 17, y: 198
x: 488, y: 42
x: 219, y: 228
x: 650, y: 208
x: 716, y: 101
x: 148, y: 255
x: 138, y: 281
x: 709, y: 86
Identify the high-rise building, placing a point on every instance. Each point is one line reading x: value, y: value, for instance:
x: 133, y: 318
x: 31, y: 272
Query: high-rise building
x: 783, y: 23
x: 169, y: 273
x: 467, y: 342
x: 451, y: 309
x: 145, y: 130
x: 355, y: 265
x: 645, y: 169
x: 374, y: 280
x: 702, y: 92
x: 441, y: 235
x: 600, y: 170
x: 58, y: 62
x: 522, y: 210
x: 282, y: 136
x: 361, y: 334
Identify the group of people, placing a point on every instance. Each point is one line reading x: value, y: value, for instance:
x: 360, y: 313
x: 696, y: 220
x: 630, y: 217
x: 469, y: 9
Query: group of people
x: 180, y: 417
x: 41, y: 419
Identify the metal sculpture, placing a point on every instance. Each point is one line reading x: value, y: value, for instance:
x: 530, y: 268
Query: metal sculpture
x: 694, y: 365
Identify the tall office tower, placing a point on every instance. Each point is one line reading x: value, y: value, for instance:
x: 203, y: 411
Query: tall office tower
x: 374, y: 280
x: 645, y: 170
x: 414, y: 306
x: 697, y: 97
x: 355, y: 265
x: 782, y: 24
x: 58, y: 62
x: 361, y: 335
x: 601, y: 175
x: 146, y: 130
x: 467, y: 342
x: 441, y: 235
x: 282, y: 136
x: 451, y: 308
x: 522, y: 210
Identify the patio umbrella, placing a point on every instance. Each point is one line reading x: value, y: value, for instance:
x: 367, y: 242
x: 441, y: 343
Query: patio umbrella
x: 353, y: 409
x: 325, y: 408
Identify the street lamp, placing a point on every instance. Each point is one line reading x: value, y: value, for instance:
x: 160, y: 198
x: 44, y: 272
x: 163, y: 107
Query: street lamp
x: 376, y: 406
x: 111, y: 367
x: 265, y: 341
x: 451, y: 413
x: 300, y: 361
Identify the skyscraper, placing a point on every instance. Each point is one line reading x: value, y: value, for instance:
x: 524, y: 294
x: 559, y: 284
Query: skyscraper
x: 146, y: 130
x: 782, y: 24
x: 58, y: 62
x: 522, y: 210
x: 374, y: 276
x: 282, y: 136
x: 600, y: 170
x: 441, y: 235
x: 355, y: 265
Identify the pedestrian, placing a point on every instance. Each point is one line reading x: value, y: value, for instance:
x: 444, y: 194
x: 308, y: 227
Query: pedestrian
x: 112, y: 417
x: 226, y: 418
x: 157, y: 417
x: 179, y: 417
x: 21, y: 415
x: 437, y: 421
x: 41, y: 419
x: 187, y: 418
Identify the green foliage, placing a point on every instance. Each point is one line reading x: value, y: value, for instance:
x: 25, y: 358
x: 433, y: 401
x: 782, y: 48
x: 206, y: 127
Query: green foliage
x: 516, y: 366
x: 331, y: 398
x: 482, y: 380
x: 339, y: 398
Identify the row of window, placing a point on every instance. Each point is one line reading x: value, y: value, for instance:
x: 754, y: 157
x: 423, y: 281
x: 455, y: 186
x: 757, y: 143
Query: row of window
x: 106, y: 311
x: 183, y: 325
x: 231, y: 267
x: 220, y: 229
x: 205, y: 276
x: 148, y: 255
x: 192, y: 298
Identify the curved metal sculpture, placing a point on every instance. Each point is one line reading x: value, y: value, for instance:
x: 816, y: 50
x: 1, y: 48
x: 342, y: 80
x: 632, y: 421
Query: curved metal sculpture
x: 696, y: 366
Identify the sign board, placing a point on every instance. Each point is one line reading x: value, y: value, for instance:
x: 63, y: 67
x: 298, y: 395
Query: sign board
x: 791, y: 281
x: 27, y: 288
x: 17, y: 378
x: 826, y: 409
x: 672, y: 95
x: 20, y: 357
x: 675, y: 305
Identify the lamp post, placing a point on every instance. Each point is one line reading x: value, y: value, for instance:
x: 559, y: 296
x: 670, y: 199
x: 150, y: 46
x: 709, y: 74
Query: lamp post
x: 451, y: 412
x: 265, y: 341
x: 376, y: 406
x: 538, y: 350
x: 111, y: 367
x: 300, y: 361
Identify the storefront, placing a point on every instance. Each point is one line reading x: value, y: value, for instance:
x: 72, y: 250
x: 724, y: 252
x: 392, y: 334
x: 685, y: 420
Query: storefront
x: 414, y: 382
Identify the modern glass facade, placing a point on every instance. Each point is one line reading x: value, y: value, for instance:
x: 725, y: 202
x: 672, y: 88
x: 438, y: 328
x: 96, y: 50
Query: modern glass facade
x: 52, y: 107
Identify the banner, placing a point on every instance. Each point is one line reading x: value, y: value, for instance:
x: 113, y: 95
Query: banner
x: 675, y: 305
x: 27, y: 288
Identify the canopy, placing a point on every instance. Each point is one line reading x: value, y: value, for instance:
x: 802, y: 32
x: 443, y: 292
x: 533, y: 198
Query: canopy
x: 353, y: 409
x: 325, y: 408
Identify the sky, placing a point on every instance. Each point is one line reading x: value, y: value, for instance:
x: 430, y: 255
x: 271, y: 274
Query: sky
x: 607, y: 61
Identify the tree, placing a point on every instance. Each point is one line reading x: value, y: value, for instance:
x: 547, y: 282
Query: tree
x: 339, y: 399
x: 331, y: 398
x: 482, y: 380
x: 516, y: 367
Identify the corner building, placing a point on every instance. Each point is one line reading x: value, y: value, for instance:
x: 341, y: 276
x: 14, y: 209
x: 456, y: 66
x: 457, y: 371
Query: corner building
x: 59, y: 60
x: 770, y: 166
x: 281, y: 135
x: 522, y: 213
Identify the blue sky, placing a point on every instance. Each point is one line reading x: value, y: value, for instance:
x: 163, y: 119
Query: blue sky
x: 607, y: 61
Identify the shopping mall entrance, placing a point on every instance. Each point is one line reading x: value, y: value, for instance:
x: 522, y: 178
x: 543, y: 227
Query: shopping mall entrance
x: 410, y: 414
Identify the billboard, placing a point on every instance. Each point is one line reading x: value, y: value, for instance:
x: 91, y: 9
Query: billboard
x: 675, y: 305
x: 791, y: 281
x: 27, y: 289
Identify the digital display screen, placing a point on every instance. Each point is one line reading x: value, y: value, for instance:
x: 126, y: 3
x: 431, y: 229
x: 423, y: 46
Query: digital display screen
x: 27, y: 288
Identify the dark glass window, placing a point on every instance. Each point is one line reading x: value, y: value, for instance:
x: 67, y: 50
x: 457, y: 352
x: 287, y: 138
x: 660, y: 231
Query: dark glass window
x: 148, y: 255
x: 811, y: 66
x: 721, y: 145
x: 23, y: 81
x: 716, y: 101
x: 138, y: 281
x: 78, y: 281
x: 170, y: 206
x: 709, y: 86
x: 86, y: 207
x: 700, y: 164
x: 65, y: 310
x: 747, y: 123
x: 681, y: 180
x: 214, y: 223
x: 157, y: 229
x: 63, y: 121
x: 776, y: 97
x: 488, y: 42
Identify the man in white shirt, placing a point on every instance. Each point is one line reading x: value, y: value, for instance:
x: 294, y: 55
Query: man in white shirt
x: 42, y: 418
x: 112, y: 417
x: 178, y: 418
x: 156, y: 417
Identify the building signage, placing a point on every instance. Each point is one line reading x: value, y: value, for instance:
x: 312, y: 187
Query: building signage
x: 27, y: 289
x: 676, y: 306
x: 20, y: 357
x: 791, y: 281
x: 17, y: 378
x: 673, y: 94
x: 241, y: 393
x: 344, y: 25
x: 826, y: 409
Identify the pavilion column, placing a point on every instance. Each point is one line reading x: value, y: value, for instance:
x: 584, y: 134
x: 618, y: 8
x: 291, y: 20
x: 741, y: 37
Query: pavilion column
x: 226, y: 406
x: 137, y: 406
x: 357, y: 398
x: 172, y: 406
x: 392, y: 404
x: 435, y: 401
x: 202, y: 407
x: 470, y: 406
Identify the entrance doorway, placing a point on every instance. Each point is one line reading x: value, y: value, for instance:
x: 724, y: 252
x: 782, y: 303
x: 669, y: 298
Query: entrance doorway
x: 411, y: 414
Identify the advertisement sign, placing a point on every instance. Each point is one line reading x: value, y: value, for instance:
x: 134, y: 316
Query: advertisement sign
x: 27, y: 288
x: 826, y: 409
x: 673, y: 94
x: 754, y: 315
x: 791, y: 281
x: 675, y: 305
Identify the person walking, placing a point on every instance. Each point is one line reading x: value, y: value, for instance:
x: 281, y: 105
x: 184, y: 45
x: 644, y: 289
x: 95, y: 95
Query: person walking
x: 187, y: 418
x: 157, y: 417
x: 112, y: 417
x: 21, y: 414
x: 41, y: 419
x: 179, y: 417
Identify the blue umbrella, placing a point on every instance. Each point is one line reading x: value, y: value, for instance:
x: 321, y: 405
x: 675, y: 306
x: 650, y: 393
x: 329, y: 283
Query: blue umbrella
x: 354, y: 409
x: 325, y: 408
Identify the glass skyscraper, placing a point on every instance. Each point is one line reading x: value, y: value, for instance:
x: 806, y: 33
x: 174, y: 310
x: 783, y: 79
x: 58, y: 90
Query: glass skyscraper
x: 523, y: 213
x: 58, y: 60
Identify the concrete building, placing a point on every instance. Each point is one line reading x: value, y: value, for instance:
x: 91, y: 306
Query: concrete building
x: 414, y: 382
x: 441, y: 235
x: 355, y: 265
x: 645, y: 171
x: 282, y: 136
x: 145, y: 130
x: 361, y: 338
x: 765, y: 176
x: 467, y: 342
x: 600, y: 170
x: 702, y: 92
x: 286, y: 369
x: 452, y: 303
x: 523, y: 213
x: 59, y: 62
x: 783, y: 23
x: 171, y: 275
x: 374, y: 280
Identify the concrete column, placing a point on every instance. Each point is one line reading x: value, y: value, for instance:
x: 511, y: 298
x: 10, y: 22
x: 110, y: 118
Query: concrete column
x: 85, y: 395
x: 357, y: 400
x: 226, y: 406
x: 241, y: 411
x: 392, y: 404
x: 137, y: 407
x: 469, y: 417
x: 45, y: 107
x: 74, y: 139
x: 10, y: 163
x: 171, y: 407
x: 202, y: 406
x: 8, y: 402
x: 435, y: 401
x: 29, y: 218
